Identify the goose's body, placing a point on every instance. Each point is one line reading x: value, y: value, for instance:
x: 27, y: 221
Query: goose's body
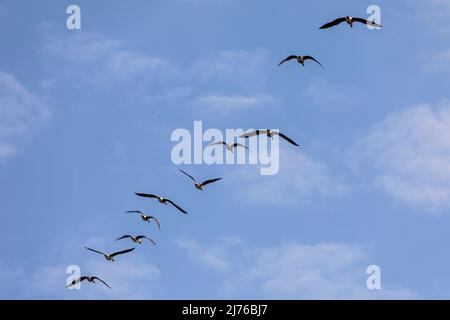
x: 110, y: 257
x: 137, y: 239
x: 350, y: 21
x: 198, y: 185
x: 146, y: 218
x: 300, y: 59
x: 88, y: 279
x: 161, y: 200
x: 269, y: 133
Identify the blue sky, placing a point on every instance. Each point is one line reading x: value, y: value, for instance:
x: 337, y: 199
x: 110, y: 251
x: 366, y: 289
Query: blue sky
x: 86, y: 120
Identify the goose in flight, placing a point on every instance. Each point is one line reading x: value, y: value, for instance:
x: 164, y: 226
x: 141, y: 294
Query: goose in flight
x: 89, y: 279
x: 229, y: 146
x: 300, y: 59
x: 200, y: 186
x: 110, y: 257
x: 350, y: 20
x: 136, y: 239
x: 145, y: 217
x: 161, y: 200
x: 270, y: 134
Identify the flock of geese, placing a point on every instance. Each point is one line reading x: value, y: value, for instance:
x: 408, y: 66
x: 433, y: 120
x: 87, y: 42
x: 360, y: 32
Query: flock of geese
x: 138, y: 239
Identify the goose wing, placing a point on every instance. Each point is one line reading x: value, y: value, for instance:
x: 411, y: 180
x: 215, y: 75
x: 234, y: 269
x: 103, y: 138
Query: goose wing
x: 97, y: 278
x: 121, y: 252
x: 216, y: 143
x: 176, y: 206
x: 287, y: 59
x: 188, y: 175
x: 287, y: 138
x: 157, y: 222
x: 134, y: 211
x: 74, y: 282
x: 145, y: 237
x: 204, y: 183
x: 124, y: 237
x: 146, y: 195
x: 367, y: 22
x: 239, y: 145
x: 333, y: 23
x: 253, y: 133
x: 96, y: 251
x: 313, y: 59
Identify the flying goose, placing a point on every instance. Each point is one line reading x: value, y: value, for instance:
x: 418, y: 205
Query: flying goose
x: 200, y: 186
x: 270, y: 134
x: 300, y: 59
x: 229, y: 146
x: 161, y: 200
x: 145, y: 217
x: 89, y: 279
x: 136, y: 239
x: 110, y: 257
x: 350, y: 20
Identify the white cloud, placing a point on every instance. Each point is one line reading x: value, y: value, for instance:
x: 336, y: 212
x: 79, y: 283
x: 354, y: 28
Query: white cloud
x: 410, y: 151
x: 437, y: 62
x: 102, y: 62
x: 324, y: 94
x: 295, y: 271
x: 129, y: 63
x: 432, y: 13
x: 80, y: 47
x: 244, y: 68
x: 299, y: 178
x: 136, y: 279
x: 20, y: 110
x: 226, y: 105
x: 212, y: 256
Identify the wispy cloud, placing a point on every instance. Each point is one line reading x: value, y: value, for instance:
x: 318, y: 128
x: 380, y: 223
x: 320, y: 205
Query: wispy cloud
x: 211, y: 256
x: 433, y: 13
x: 228, y: 104
x: 437, y: 62
x: 299, y: 179
x: 147, y: 78
x: 21, y: 110
x: 410, y: 151
x: 136, y: 279
x: 324, y: 94
x: 294, y: 271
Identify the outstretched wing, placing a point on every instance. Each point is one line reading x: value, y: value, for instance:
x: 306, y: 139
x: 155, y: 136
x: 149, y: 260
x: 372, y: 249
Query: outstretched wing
x: 157, y: 222
x: 74, y: 282
x: 367, y: 22
x: 144, y: 237
x: 287, y: 138
x: 97, y: 278
x: 176, y: 206
x: 312, y: 58
x: 95, y: 251
x: 121, y: 252
x: 134, y: 211
x: 188, y: 175
x: 146, y: 195
x: 253, y: 133
x: 216, y: 143
x: 288, y: 58
x: 332, y: 23
x: 204, y: 183
x: 124, y: 237
x: 239, y: 145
